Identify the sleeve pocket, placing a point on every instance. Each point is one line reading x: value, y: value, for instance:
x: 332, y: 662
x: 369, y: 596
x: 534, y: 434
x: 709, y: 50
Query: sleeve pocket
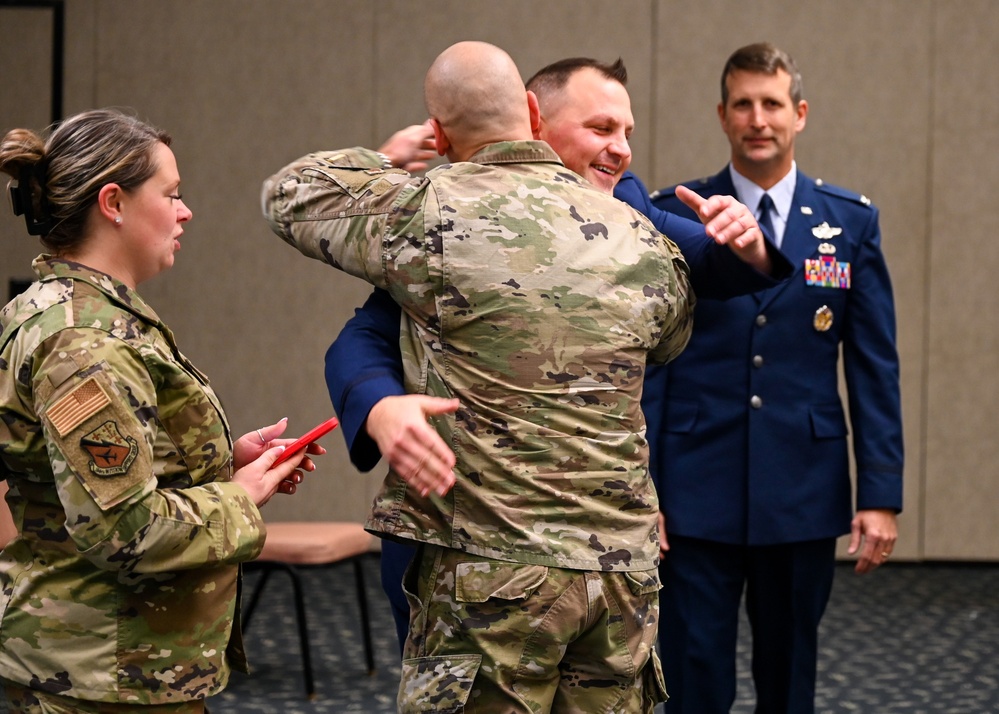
x: 437, y: 684
x: 98, y: 437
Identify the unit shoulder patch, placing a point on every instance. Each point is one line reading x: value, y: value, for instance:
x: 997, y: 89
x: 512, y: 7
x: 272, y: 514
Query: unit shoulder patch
x: 111, y: 452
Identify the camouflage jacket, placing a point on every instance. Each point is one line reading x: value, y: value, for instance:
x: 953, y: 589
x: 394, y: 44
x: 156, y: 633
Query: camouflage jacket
x: 533, y: 298
x: 121, y: 584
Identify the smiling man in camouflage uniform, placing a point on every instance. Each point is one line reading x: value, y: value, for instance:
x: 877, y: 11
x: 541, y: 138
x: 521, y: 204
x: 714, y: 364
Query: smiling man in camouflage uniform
x: 534, y: 300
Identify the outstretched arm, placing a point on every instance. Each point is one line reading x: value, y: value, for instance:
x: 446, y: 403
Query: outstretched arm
x: 363, y: 366
x: 730, y: 223
x: 365, y: 381
x: 717, y: 271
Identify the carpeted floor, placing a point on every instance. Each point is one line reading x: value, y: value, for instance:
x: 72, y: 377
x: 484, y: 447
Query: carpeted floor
x: 911, y: 638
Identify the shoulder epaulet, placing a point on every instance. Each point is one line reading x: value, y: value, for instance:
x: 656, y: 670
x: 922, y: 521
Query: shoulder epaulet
x: 670, y: 191
x: 839, y: 192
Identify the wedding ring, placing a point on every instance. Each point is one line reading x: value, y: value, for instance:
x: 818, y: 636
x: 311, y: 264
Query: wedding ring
x: 261, y: 435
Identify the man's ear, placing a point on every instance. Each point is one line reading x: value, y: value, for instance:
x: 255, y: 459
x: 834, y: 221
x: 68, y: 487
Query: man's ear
x: 441, y: 142
x: 534, y: 109
x: 802, y: 115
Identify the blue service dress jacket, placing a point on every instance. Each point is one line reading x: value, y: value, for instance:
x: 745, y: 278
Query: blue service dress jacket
x: 747, y: 431
x: 364, y: 365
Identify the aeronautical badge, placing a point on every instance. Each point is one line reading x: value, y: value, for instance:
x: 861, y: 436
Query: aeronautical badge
x: 823, y: 319
x: 111, y: 453
x: 824, y: 231
x: 827, y: 272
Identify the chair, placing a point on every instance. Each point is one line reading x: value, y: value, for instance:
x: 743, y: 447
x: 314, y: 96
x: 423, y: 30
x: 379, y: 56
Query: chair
x: 292, y: 545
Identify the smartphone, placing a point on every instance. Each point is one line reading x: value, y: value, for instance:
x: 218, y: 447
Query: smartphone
x: 303, y: 441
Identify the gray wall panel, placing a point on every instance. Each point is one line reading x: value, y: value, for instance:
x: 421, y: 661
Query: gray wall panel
x: 962, y: 485
x: 903, y: 109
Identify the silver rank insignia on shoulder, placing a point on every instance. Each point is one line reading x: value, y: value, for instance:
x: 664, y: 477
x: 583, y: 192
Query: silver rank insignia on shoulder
x: 823, y: 319
x: 807, y: 210
x: 827, y: 248
x: 824, y: 231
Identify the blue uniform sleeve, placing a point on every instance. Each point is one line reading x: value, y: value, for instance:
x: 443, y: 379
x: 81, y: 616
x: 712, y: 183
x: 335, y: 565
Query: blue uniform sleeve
x: 715, y: 271
x: 871, y: 367
x: 364, y: 365
x: 654, y: 407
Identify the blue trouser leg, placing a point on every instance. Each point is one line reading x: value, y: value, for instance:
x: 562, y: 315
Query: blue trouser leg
x: 787, y: 589
x: 698, y: 625
x: 395, y: 559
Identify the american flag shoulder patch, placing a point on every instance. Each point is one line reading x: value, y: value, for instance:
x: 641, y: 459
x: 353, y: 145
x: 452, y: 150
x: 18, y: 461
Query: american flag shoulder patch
x: 79, y: 405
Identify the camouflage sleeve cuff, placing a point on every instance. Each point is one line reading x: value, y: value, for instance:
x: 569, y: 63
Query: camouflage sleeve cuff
x: 243, y: 536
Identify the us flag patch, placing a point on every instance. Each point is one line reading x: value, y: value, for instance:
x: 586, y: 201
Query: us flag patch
x: 78, y: 406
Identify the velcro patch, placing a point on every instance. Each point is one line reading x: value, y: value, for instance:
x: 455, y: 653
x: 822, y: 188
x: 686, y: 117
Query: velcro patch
x: 360, y: 182
x: 76, y: 407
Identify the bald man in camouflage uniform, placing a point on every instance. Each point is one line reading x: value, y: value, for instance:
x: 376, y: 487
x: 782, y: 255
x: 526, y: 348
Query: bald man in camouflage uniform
x: 129, y: 533
x: 534, y: 300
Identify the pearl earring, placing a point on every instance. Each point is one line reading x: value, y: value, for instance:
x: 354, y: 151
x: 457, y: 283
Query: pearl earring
x: 117, y: 220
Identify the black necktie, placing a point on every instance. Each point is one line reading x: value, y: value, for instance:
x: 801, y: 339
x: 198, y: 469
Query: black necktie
x: 766, y: 223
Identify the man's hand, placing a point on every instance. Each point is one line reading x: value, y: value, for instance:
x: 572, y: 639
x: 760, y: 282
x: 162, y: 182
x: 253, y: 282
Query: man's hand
x: 413, y: 448
x: 878, y: 529
x: 663, y: 542
x: 730, y: 223
x: 411, y: 148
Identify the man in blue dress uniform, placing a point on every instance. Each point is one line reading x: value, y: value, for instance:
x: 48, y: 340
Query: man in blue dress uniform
x: 747, y: 430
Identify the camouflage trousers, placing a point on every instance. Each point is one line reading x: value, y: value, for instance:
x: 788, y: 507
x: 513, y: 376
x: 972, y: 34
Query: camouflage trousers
x: 492, y: 637
x: 22, y: 700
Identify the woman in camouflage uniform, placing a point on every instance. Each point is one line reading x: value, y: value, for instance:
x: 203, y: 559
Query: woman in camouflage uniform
x: 133, y: 505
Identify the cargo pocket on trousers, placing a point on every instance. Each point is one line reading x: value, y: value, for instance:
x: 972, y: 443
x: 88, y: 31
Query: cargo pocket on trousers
x: 482, y: 581
x: 643, y: 582
x: 437, y: 684
x: 653, y: 683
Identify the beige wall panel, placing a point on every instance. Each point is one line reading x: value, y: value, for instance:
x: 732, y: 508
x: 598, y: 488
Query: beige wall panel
x: 962, y: 486
x: 244, y: 87
x: 80, y: 85
x: 861, y: 62
x: 24, y: 102
x: 411, y: 35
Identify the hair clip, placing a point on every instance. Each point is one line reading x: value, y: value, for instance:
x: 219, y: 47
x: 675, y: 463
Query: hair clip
x: 21, y: 203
